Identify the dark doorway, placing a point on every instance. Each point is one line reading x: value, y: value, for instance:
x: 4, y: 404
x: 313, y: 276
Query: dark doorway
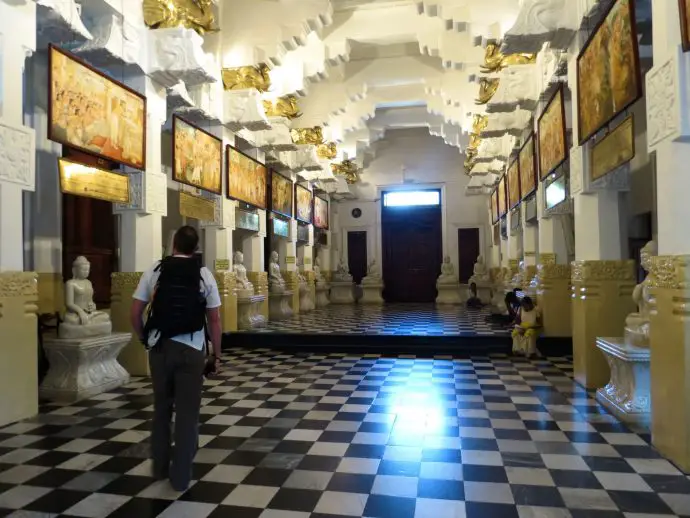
x: 357, y: 254
x: 468, y: 251
x: 412, y: 252
x: 88, y: 229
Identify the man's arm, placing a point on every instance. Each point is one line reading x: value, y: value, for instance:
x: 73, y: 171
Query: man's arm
x: 214, y: 329
x: 136, y: 317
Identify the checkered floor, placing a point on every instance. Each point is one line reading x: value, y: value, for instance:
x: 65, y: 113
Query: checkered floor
x: 390, y: 319
x: 333, y: 435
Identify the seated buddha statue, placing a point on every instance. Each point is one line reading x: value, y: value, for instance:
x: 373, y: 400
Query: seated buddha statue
x: 480, y: 274
x: 342, y: 274
x: 637, y: 324
x: 241, y: 280
x: 373, y: 275
x: 318, y: 277
x: 82, y: 319
x: 275, y: 278
x: 447, y: 272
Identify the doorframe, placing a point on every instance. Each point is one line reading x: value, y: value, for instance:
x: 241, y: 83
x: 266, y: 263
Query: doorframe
x: 373, y: 240
x: 482, y: 242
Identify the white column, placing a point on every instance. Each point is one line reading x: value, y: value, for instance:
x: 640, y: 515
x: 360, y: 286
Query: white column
x: 530, y: 237
x: 253, y: 247
x: 598, y: 226
x: 551, y: 238
x: 291, y: 248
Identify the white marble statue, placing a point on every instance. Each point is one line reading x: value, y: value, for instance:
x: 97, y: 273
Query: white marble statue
x: 373, y: 274
x: 317, y: 271
x: 275, y: 279
x: 480, y: 273
x: 241, y: 280
x: 300, y: 272
x: 82, y: 319
x: 447, y: 272
x: 341, y: 274
x: 637, y: 324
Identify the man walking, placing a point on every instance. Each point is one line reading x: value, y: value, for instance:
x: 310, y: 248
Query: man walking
x: 185, y: 306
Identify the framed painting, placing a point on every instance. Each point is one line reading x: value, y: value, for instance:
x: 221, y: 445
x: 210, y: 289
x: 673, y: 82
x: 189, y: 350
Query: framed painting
x: 608, y: 70
x: 494, y: 206
x: 528, y: 167
x: 513, y: 177
x: 304, y: 204
x: 197, y: 157
x: 684, y: 6
x: 551, y: 133
x: 91, y: 112
x: 614, y: 150
x: 246, y: 178
x: 320, y: 212
x: 502, y: 205
x: 281, y: 194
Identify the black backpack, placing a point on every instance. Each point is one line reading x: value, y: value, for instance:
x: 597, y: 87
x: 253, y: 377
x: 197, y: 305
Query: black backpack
x: 178, y: 306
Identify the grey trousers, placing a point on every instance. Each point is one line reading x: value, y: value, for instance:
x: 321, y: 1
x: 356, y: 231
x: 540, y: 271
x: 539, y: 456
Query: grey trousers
x: 177, y: 371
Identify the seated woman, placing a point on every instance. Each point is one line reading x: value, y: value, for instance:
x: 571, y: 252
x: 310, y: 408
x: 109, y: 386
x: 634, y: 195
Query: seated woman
x: 527, y: 322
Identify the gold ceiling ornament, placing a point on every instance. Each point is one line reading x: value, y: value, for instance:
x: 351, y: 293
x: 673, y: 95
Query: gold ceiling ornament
x: 479, y: 124
x: 487, y: 90
x: 348, y: 169
x: 312, y: 136
x: 495, y: 60
x: 470, y: 159
x: 327, y: 150
x: 190, y: 14
x: 249, y: 77
x: 285, y: 106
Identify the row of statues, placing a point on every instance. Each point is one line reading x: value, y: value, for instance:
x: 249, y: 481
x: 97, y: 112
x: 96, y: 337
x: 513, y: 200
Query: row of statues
x: 480, y: 272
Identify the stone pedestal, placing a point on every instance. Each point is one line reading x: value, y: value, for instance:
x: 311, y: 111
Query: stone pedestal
x: 228, y: 297
x: 448, y: 294
x: 484, y: 292
x: 279, y: 305
x: 371, y: 294
x: 627, y: 394
x: 82, y: 368
x: 249, y: 315
x: 306, y: 302
x: 342, y: 293
x: 322, y: 295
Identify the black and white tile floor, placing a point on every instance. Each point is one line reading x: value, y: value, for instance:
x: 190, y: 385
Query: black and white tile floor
x: 333, y: 435
x: 390, y: 319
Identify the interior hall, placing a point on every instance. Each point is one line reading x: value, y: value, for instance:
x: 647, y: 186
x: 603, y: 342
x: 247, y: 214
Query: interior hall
x: 447, y: 238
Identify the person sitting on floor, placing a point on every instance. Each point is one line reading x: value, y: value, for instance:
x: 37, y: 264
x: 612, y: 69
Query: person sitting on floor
x: 473, y: 302
x: 527, y: 321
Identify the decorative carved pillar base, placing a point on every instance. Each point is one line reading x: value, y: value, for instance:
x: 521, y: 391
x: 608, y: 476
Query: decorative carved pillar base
x: 134, y: 357
x: 670, y: 357
x: 249, y: 314
x: 552, y: 288
x: 82, y: 368
x: 601, y: 300
x: 342, y: 293
x: 18, y: 346
x: 51, y: 293
x: 371, y: 294
x: 322, y: 295
x: 627, y: 394
x: 228, y: 300
x: 448, y: 294
x: 279, y: 307
x: 306, y: 301
x: 292, y: 285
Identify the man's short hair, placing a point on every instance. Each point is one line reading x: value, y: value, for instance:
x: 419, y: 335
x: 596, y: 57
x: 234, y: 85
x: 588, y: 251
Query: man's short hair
x: 186, y: 240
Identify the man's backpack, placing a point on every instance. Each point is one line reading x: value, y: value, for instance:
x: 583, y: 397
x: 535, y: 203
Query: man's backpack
x: 178, y: 306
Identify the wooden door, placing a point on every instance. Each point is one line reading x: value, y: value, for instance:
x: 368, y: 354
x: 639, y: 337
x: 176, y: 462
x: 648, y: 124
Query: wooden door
x: 412, y: 253
x: 468, y: 251
x: 357, y: 254
x: 88, y: 229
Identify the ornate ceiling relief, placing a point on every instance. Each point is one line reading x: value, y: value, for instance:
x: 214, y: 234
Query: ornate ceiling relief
x: 286, y: 106
x: 347, y: 169
x: 190, y: 14
x: 248, y: 77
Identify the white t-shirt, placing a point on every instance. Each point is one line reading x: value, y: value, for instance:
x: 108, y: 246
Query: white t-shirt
x: 208, y: 287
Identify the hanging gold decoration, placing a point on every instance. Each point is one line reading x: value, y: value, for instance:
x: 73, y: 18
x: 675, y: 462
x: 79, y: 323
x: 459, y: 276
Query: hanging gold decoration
x: 190, y: 14
x: 327, y: 150
x: 312, y: 136
x: 285, y: 106
x: 470, y: 159
x: 487, y: 90
x: 479, y: 124
x: 347, y: 169
x: 495, y: 60
x: 244, y: 78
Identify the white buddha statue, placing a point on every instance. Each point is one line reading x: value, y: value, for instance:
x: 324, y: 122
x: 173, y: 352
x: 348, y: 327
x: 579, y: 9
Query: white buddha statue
x: 317, y: 272
x: 447, y: 272
x: 301, y: 279
x: 82, y: 319
x: 637, y: 324
x: 341, y: 274
x: 241, y: 280
x: 373, y: 275
x: 480, y: 273
x: 275, y: 279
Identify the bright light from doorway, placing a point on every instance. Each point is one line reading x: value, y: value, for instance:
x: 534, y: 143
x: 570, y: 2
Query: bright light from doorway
x: 411, y: 198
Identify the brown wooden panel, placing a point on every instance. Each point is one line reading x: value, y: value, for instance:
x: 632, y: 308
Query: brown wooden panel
x: 468, y: 251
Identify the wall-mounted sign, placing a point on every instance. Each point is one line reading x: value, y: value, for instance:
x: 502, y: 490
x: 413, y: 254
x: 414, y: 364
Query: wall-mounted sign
x: 290, y: 259
x: 221, y: 265
x: 197, y: 207
x: 91, y: 182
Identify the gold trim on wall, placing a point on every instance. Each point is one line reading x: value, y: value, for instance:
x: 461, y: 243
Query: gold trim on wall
x: 18, y: 284
x: 92, y: 182
x: 583, y: 271
x: 197, y: 207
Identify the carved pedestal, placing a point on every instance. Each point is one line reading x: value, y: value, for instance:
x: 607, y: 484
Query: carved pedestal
x: 371, y: 294
x: 322, y: 295
x: 82, y: 368
x: 279, y: 305
x: 342, y: 293
x: 249, y: 314
x: 449, y: 294
x: 627, y: 394
x: 306, y: 302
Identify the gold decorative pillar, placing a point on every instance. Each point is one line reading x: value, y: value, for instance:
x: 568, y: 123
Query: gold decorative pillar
x: 228, y: 300
x: 292, y: 284
x: 51, y: 293
x: 552, y: 287
x: 601, y: 299
x: 260, y: 282
x: 134, y: 356
x: 311, y: 282
x: 18, y: 346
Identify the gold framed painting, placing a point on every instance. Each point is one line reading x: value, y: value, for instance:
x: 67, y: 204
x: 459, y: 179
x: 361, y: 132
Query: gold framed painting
x: 320, y: 213
x: 551, y: 133
x: 608, y: 70
x: 246, y: 178
x: 281, y: 194
x: 494, y: 206
x: 684, y: 7
x: 614, y: 150
x: 89, y: 111
x: 528, y: 167
x: 197, y: 157
x: 502, y: 205
x: 304, y: 204
x: 513, y: 177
